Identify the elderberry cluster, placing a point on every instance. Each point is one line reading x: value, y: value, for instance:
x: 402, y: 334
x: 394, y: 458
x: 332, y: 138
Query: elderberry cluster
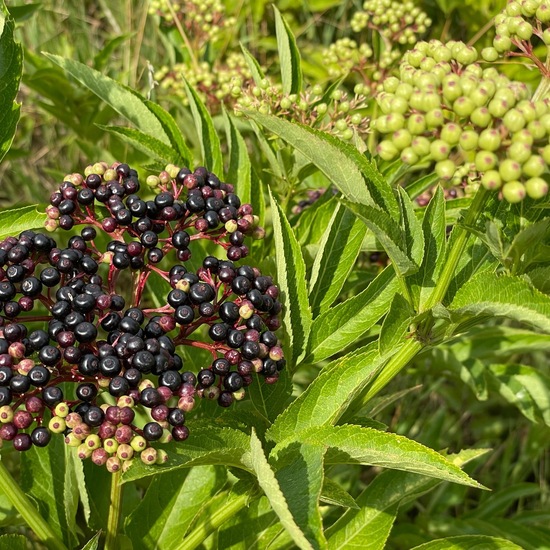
x: 81, y: 357
x: 474, y: 124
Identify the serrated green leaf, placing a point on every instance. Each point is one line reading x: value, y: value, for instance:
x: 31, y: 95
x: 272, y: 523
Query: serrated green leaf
x: 412, y: 229
x: 270, y: 400
x: 357, y: 445
x: 335, y: 259
x: 348, y: 170
x: 417, y: 187
x: 291, y: 277
x: 525, y: 387
x: 299, y: 471
x: 434, y: 229
x: 206, y: 132
x: 344, y: 323
x: 170, y: 504
x: 289, y: 56
x: 93, y: 543
x: 240, y: 170
x: 488, y: 294
x: 333, y: 494
x: 13, y: 542
x: 388, y: 233
x: 469, y: 542
x: 327, y: 397
x: 270, y: 486
x: 253, y: 65
x: 153, y: 147
x: 172, y: 130
x: 11, y: 62
x: 12, y: 222
x: 369, y: 527
x: 125, y: 101
x: 44, y: 477
x: 540, y: 278
x: 207, y: 445
x: 395, y: 325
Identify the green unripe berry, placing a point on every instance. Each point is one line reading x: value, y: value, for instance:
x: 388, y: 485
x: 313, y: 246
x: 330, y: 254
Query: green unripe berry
x: 491, y: 180
x: 502, y: 43
x: 464, y: 106
x: 523, y: 136
x: 451, y: 90
x: 435, y: 118
x: 537, y: 129
x: 110, y: 445
x: 286, y: 103
x: 408, y: 156
x: 125, y: 452
x: 404, y: 90
x: 536, y: 188
x: 430, y: 101
x: 72, y: 441
x: 399, y: 105
x: 451, y: 133
x: 513, y: 191
x: 519, y: 152
x: 347, y: 134
x: 138, y: 443
x: 534, y: 166
x: 390, y: 84
x: 481, y: 117
x: 317, y: 90
x: 401, y: 139
x: 440, y: 150
x: 509, y: 170
x: 395, y: 121
x: 387, y: 150
x: 543, y: 12
x: 466, y: 55
x: 524, y: 30
x: 321, y: 109
x: 61, y: 410
x: 420, y: 146
x: 6, y: 414
x: 445, y: 169
x: 489, y: 139
x: 514, y: 120
x: 485, y: 160
x: 546, y: 36
x: 468, y: 140
x: 83, y: 452
x: 148, y: 456
x: 341, y: 125
x: 92, y: 442
x: 545, y: 153
x: 489, y: 54
x: 113, y: 464
x: 498, y: 107
x: 416, y: 124
x: 57, y: 425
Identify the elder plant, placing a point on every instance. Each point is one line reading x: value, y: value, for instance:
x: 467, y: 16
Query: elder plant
x: 151, y: 334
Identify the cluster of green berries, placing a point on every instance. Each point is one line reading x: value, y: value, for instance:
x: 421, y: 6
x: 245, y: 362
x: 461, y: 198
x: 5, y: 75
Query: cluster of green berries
x: 396, y: 24
x: 81, y: 356
x: 217, y: 83
x: 338, y: 113
x: 516, y: 26
x: 475, y: 124
x: 203, y: 21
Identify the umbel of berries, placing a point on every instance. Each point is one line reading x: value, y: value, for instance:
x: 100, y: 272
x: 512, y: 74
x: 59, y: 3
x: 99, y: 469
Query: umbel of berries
x: 82, y: 352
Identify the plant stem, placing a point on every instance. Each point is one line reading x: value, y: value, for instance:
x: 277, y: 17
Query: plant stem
x: 449, y: 268
x: 114, y: 512
x: 207, y: 527
x: 28, y: 511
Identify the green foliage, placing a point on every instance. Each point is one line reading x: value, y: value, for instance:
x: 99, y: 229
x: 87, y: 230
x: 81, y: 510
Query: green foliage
x: 416, y: 315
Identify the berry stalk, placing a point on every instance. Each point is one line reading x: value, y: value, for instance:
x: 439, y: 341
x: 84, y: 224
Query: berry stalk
x: 115, y: 504
x: 28, y: 511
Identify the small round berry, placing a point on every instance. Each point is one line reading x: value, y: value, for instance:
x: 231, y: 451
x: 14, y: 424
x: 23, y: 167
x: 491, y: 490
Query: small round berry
x: 152, y: 431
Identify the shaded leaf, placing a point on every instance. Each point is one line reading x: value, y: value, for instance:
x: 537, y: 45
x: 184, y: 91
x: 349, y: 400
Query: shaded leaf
x: 395, y: 325
x: 289, y: 56
x: 412, y: 229
x: 170, y: 504
x: 208, y: 137
x: 335, y: 259
x: 13, y: 542
x: 11, y: 63
x: 291, y: 277
x: 93, y: 543
x: 333, y: 494
x: 469, y: 542
x: 206, y: 445
x: 151, y: 146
